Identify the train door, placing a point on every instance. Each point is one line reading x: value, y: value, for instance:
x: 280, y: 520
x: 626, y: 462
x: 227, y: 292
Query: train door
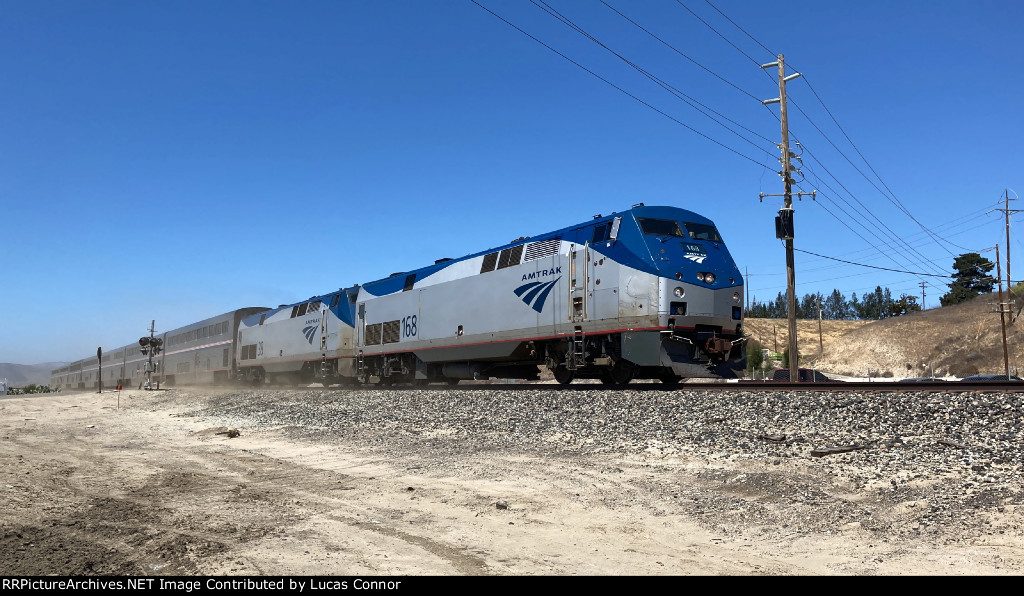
x: 324, y: 312
x: 360, y: 325
x: 579, y: 281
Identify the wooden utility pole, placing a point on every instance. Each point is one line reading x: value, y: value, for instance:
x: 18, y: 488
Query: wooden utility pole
x: 1006, y: 213
x: 1002, y: 314
x: 821, y: 348
x: 784, y: 221
x: 746, y: 289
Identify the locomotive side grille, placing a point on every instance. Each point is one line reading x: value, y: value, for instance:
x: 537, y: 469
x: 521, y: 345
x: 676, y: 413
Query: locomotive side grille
x: 510, y: 257
x: 543, y: 248
x: 489, y: 262
x: 391, y: 329
x: 503, y: 259
x: 372, y: 334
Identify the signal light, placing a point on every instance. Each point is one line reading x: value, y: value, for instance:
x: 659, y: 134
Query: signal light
x: 143, y: 341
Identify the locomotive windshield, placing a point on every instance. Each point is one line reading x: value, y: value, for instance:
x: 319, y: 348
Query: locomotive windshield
x: 668, y: 227
x: 699, y: 231
x: 661, y: 227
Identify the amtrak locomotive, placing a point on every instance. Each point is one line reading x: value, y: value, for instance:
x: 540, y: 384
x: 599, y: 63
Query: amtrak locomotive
x: 649, y: 293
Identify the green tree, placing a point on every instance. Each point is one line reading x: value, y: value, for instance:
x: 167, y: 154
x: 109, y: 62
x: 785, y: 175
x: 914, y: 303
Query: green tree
x: 755, y: 357
x: 905, y: 305
x: 971, y: 279
x: 785, y: 358
x: 837, y: 307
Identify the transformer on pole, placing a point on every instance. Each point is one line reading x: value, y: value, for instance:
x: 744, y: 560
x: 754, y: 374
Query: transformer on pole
x: 784, y: 228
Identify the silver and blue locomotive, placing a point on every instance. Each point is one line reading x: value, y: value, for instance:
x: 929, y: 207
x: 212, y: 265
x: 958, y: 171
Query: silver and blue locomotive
x: 307, y: 342
x: 648, y: 293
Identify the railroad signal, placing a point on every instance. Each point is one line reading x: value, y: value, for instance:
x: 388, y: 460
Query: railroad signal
x: 150, y: 346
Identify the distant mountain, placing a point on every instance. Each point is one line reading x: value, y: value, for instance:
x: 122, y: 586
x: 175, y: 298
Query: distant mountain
x: 20, y: 375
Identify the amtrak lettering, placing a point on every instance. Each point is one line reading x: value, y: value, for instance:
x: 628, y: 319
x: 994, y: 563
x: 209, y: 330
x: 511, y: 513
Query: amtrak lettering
x: 542, y: 273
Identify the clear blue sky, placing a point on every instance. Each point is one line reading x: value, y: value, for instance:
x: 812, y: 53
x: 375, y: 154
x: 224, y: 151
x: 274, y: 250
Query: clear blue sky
x: 177, y: 160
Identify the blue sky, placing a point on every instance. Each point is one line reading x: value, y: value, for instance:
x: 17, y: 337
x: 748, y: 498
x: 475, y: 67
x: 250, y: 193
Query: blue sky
x: 177, y: 160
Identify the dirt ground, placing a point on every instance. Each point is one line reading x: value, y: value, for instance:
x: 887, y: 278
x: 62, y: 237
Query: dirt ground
x: 139, y: 485
x: 960, y: 340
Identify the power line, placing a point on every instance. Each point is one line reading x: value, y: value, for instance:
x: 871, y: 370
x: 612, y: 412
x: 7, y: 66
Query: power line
x: 724, y: 38
x: 871, y: 266
x: 740, y: 28
x: 893, y: 198
x: 676, y: 50
x: 620, y: 89
x: 689, y: 100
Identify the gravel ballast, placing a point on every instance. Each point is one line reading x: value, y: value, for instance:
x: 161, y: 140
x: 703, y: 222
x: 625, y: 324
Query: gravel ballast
x: 946, y: 466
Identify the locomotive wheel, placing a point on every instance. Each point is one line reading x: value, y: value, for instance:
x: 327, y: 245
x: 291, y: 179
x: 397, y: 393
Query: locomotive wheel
x: 669, y: 378
x: 563, y: 375
x: 452, y: 381
x: 621, y: 372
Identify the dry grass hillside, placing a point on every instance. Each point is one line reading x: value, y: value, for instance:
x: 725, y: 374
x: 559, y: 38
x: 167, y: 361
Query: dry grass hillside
x: 955, y: 341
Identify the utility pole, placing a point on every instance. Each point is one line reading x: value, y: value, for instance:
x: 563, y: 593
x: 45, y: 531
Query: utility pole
x: 820, y: 344
x: 1002, y: 315
x: 923, y: 284
x: 1007, y: 212
x: 784, y: 221
x: 746, y: 288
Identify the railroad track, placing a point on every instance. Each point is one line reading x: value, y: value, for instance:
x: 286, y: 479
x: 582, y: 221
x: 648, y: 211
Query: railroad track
x: 741, y: 386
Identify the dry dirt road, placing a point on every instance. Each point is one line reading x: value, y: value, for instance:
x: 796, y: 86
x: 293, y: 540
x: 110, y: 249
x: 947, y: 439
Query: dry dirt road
x: 146, y: 486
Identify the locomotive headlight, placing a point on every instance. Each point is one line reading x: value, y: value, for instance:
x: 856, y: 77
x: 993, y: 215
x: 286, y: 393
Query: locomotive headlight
x: 709, y: 278
x: 678, y: 292
x: 735, y: 296
x: 700, y: 276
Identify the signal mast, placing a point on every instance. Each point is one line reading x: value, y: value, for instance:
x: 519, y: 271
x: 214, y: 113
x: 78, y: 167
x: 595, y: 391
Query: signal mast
x: 152, y: 346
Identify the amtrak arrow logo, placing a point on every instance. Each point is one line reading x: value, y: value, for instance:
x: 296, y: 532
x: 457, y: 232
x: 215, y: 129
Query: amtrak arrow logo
x: 309, y: 332
x: 696, y: 259
x: 534, y: 294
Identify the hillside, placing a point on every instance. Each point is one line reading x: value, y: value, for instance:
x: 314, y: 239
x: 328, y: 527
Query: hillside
x: 20, y: 375
x: 956, y: 341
